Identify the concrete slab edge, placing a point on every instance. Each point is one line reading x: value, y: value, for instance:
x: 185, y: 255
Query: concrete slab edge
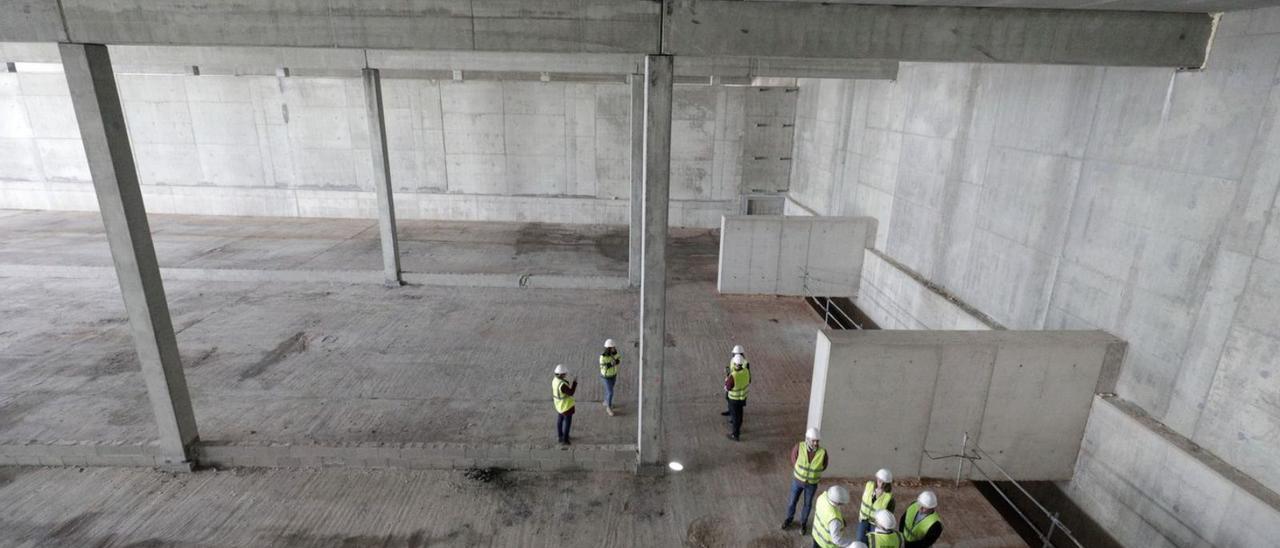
x: 410, y: 455
x: 1221, y: 468
x: 415, y: 455
x: 526, y: 281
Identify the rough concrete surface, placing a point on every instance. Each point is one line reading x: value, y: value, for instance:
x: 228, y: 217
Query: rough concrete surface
x: 1138, y: 201
x: 461, y: 150
x: 346, y: 363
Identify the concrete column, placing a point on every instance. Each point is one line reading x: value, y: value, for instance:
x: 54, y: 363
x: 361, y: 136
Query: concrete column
x: 115, y: 180
x: 637, y: 175
x: 382, y: 178
x: 653, y: 275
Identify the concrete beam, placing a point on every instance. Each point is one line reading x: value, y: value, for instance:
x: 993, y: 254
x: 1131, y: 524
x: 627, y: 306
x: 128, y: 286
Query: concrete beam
x: 758, y: 39
x: 115, y: 180
x: 579, y: 26
x: 635, y: 229
x: 382, y: 178
x: 659, y: 79
x: 928, y: 33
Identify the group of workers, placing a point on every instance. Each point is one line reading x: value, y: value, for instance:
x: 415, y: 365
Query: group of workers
x: 919, y: 527
x: 737, y: 380
x: 562, y: 390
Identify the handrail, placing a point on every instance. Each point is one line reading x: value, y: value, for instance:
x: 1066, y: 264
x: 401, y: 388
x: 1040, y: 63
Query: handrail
x: 826, y: 304
x: 980, y: 455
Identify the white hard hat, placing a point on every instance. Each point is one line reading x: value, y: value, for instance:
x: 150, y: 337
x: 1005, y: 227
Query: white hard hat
x: 739, y: 360
x: 562, y: 370
x: 928, y: 499
x: 884, y: 475
x: 838, y: 495
x: 737, y: 349
x: 812, y: 434
x: 885, y: 520
x: 608, y: 343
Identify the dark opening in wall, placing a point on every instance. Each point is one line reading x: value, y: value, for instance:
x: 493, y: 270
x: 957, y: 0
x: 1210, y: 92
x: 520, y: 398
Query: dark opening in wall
x: 840, y: 313
x: 1082, y: 527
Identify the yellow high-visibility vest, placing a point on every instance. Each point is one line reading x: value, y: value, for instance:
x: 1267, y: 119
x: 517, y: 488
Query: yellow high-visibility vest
x: 741, y: 380
x: 609, y: 365
x: 806, y: 470
x: 913, y: 530
x: 563, y: 402
x: 824, y: 512
x: 870, y: 503
x: 892, y: 539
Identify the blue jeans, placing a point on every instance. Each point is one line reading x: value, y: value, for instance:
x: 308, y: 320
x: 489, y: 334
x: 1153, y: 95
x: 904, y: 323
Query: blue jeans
x: 608, y: 390
x: 809, y: 490
x: 864, y: 527
x: 563, y: 422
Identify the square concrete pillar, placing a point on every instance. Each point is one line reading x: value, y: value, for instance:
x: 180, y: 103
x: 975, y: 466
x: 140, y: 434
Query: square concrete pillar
x: 634, y: 230
x: 653, y: 275
x: 115, y: 180
x: 382, y: 178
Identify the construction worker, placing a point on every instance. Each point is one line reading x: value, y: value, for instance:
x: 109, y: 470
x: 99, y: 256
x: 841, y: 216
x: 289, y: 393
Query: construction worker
x: 728, y: 368
x: 920, y: 524
x: 562, y: 396
x: 609, y: 361
x: 735, y: 387
x: 885, y: 534
x: 828, y: 519
x: 808, y: 461
x: 876, y: 496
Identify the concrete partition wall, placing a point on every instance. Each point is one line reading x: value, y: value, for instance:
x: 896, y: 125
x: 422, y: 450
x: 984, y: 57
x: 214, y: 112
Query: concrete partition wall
x: 782, y: 255
x: 892, y: 398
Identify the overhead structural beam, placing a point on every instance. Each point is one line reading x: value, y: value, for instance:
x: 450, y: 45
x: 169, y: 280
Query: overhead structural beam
x: 115, y: 180
x: 928, y: 33
x: 775, y: 34
x: 581, y: 26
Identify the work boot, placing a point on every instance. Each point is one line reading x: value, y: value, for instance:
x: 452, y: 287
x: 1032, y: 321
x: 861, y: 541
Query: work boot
x: 804, y: 530
x: 609, y: 410
x: 786, y: 524
x: 732, y: 437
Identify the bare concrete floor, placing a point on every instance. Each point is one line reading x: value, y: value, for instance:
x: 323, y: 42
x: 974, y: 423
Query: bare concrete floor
x: 343, y: 363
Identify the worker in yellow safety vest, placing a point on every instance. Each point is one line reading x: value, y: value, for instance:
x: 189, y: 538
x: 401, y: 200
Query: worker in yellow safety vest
x: 877, y: 495
x: 562, y: 396
x: 808, y: 461
x: 738, y: 351
x: 828, y: 518
x: 885, y: 534
x: 735, y: 387
x: 920, y: 524
x: 609, y: 361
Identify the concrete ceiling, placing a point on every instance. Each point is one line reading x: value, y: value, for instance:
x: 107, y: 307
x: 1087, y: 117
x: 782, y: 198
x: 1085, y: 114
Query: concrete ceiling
x: 1202, y: 6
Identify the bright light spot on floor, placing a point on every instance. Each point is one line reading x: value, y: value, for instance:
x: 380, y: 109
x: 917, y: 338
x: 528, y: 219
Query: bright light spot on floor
x: 675, y: 466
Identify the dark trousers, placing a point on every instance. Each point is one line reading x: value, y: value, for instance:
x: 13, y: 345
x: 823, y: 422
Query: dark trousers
x: 563, y: 422
x: 809, y: 490
x: 735, y: 415
x: 864, y: 527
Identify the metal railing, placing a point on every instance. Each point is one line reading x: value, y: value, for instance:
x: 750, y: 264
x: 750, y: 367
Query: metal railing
x: 979, y: 458
x: 830, y: 310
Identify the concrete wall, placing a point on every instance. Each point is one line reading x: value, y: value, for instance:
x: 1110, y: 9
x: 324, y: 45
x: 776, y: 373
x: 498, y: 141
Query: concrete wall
x: 298, y: 146
x: 778, y: 255
x: 897, y: 298
x: 1022, y: 396
x: 1138, y: 201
